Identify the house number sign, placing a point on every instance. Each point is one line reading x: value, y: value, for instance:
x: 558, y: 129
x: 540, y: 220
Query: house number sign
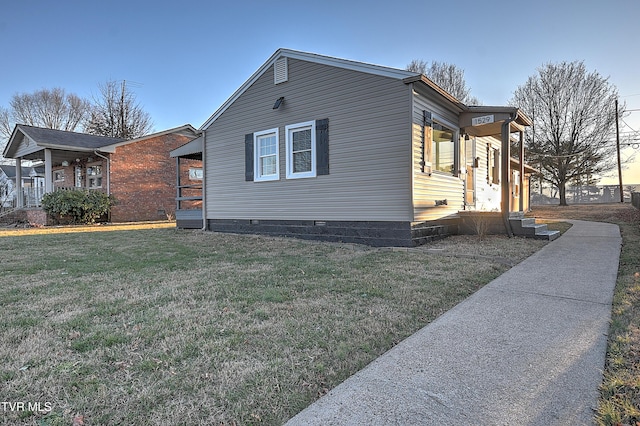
x: 479, y: 121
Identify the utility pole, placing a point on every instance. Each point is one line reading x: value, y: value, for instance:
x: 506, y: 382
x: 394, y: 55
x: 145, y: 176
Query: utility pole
x: 122, y: 124
x: 619, y: 161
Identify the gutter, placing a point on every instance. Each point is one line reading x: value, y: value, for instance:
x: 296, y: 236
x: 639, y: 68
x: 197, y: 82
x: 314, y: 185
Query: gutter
x: 95, y: 151
x: 204, y: 180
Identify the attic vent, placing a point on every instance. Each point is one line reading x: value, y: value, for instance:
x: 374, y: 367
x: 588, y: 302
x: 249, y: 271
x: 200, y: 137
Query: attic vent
x: 280, y: 71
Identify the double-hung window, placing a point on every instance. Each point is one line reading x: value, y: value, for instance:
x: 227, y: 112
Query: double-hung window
x: 443, y: 148
x: 301, y: 150
x: 94, y: 176
x: 266, y: 155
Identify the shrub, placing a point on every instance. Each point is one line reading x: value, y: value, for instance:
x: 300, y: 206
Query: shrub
x: 81, y: 206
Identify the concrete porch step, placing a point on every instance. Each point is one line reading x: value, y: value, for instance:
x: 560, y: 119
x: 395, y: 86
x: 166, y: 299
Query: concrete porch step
x: 527, y: 227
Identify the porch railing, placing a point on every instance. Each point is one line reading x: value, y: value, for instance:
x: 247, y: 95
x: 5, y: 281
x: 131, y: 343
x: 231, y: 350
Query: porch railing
x: 32, y: 197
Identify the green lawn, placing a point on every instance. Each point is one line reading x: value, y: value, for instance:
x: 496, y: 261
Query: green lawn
x: 166, y: 327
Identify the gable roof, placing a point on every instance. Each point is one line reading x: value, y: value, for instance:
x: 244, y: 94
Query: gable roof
x: 316, y: 58
x: 62, y: 138
x: 56, y: 139
x: 74, y: 141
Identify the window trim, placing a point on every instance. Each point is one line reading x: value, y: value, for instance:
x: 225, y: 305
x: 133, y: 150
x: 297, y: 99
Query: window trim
x: 289, y: 130
x: 257, y: 177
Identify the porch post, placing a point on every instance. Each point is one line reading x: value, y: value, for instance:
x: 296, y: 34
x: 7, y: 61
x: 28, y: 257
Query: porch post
x: 19, y: 189
x: 521, y: 177
x: 505, y: 174
x: 177, y: 184
x: 48, y: 174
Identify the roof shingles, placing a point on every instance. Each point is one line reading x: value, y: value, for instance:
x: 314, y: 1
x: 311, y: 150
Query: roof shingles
x: 42, y: 136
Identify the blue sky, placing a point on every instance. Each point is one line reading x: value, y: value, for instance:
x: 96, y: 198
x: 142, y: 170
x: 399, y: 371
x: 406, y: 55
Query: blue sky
x: 185, y: 58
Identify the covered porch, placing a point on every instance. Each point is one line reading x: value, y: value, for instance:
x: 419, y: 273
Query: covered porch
x: 189, y: 184
x: 71, y: 161
x: 505, y: 168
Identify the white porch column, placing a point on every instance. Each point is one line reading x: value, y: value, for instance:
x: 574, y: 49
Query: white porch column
x: 18, y: 187
x: 48, y: 174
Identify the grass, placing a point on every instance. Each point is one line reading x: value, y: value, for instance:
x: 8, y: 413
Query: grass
x: 159, y: 326
x: 620, y: 391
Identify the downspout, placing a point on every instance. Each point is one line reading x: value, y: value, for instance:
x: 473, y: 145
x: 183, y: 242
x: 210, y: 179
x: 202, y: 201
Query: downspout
x: 204, y: 181
x: 505, y: 172
x: 108, y: 170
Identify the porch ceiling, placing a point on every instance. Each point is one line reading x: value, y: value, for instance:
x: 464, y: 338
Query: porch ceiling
x: 58, y: 156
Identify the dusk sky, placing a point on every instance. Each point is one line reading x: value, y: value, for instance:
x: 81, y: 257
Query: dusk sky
x: 183, y: 59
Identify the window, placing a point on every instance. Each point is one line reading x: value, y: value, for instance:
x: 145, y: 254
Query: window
x: 266, y: 155
x: 195, y: 173
x: 58, y: 175
x: 94, y: 176
x: 443, y: 149
x: 307, y: 149
x: 493, y: 165
x: 301, y: 150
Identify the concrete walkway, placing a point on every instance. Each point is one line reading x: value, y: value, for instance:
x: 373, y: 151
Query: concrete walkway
x: 526, y: 349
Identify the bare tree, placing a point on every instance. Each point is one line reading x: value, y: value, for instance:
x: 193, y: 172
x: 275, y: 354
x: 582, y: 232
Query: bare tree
x: 447, y: 76
x: 53, y: 109
x: 115, y: 113
x: 573, y: 113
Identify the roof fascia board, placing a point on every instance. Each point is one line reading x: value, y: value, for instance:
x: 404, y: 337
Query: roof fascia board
x: 348, y: 64
x: 240, y: 90
x: 153, y: 135
x: 459, y: 106
x: 310, y: 57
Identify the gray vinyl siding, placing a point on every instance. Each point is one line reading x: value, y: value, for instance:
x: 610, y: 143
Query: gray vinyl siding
x: 439, y: 186
x: 369, y: 148
x: 24, y: 149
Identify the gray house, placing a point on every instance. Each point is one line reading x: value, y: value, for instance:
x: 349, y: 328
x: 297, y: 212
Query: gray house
x: 319, y: 147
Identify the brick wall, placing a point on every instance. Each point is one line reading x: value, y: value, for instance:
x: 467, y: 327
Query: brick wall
x: 143, y: 179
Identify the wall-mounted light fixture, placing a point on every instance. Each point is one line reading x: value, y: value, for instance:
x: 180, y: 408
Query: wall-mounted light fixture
x: 65, y: 163
x: 279, y: 102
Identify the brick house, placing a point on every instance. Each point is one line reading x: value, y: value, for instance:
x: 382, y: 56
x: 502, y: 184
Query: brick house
x: 139, y: 172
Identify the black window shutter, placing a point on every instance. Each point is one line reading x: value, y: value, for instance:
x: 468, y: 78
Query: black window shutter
x: 322, y: 147
x: 248, y: 157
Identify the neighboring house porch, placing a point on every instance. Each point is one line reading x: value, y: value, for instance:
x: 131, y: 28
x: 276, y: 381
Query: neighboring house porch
x: 32, y: 184
x: 138, y: 173
x: 189, y: 184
